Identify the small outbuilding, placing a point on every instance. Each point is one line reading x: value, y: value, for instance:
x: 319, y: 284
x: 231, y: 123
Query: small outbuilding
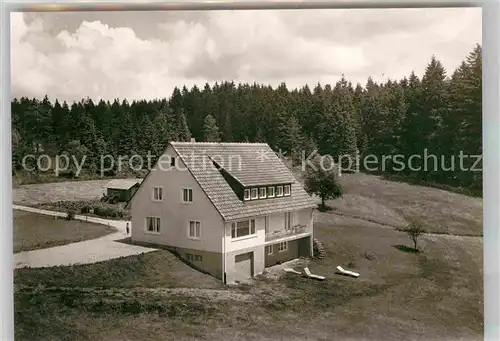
x: 122, y: 189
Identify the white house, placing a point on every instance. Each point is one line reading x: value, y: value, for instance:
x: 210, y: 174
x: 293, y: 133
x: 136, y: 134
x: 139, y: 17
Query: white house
x: 229, y: 209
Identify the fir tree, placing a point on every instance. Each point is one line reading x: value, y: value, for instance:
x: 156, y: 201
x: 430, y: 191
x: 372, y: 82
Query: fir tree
x: 210, y: 130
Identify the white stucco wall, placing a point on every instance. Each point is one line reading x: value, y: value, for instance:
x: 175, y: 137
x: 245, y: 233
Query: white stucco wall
x: 174, y: 214
x: 276, y: 222
x: 247, y: 241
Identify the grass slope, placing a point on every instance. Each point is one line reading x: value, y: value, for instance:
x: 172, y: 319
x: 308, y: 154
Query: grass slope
x: 392, y: 204
x: 435, y: 294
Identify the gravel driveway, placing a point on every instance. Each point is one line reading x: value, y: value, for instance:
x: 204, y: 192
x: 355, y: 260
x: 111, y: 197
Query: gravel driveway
x: 86, y: 252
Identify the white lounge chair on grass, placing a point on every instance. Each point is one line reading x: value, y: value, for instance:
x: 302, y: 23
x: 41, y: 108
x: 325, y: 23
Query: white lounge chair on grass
x: 310, y: 275
x: 347, y: 272
x: 292, y: 271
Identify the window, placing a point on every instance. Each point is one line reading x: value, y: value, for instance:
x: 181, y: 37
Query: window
x: 254, y: 193
x: 157, y: 193
x: 172, y: 161
x: 269, y: 249
x: 288, y: 221
x: 187, y: 195
x: 270, y: 192
x: 283, y: 246
x: 247, y: 194
x: 262, y: 193
x: 153, y: 224
x: 279, y: 191
x: 194, y: 229
x: 190, y: 257
x: 242, y: 228
x: 287, y: 190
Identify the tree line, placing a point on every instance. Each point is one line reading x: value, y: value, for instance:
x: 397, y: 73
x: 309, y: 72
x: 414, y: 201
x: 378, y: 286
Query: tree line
x: 438, y: 114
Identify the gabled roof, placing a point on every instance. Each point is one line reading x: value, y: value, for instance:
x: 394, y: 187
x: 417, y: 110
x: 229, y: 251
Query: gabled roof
x: 251, y: 164
x: 123, y: 183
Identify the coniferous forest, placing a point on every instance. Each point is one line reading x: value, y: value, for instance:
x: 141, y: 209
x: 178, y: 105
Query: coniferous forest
x: 438, y: 113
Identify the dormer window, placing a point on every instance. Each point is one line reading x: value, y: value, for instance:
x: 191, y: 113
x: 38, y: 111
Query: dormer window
x: 270, y: 192
x: 254, y: 194
x: 262, y: 193
x: 258, y: 193
x: 247, y: 194
x: 279, y: 191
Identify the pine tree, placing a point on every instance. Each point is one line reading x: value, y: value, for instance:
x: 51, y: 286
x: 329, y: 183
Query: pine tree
x: 183, y: 132
x: 210, y: 130
x: 126, y: 144
x: 410, y: 135
x: 434, y: 104
x: 399, y: 116
x: 289, y: 135
x: 17, y: 149
x: 58, y: 132
x: 466, y: 116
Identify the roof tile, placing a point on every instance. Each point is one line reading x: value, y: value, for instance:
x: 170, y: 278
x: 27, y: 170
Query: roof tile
x: 252, y: 164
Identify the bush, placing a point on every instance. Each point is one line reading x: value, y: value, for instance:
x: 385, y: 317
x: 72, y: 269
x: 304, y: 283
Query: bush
x: 70, y: 215
x: 85, y: 209
x: 322, y: 181
x: 108, y: 211
x: 70, y: 174
x: 111, y: 172
x: 414, y: 231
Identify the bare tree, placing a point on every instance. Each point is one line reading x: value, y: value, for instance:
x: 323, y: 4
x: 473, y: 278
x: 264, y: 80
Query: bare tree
x: 414, y: 231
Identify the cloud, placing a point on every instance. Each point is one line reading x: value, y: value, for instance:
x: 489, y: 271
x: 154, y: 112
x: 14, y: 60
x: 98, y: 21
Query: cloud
x: 104, y: 55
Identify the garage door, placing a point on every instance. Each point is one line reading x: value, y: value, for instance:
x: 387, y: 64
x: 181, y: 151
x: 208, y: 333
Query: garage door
x: 243, y: 265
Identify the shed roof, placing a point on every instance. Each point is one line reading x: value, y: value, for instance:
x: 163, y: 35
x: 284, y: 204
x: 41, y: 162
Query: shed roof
x: 123, y: 183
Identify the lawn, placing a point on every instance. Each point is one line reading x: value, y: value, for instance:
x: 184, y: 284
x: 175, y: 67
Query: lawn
x: 434, y: 294
x: 393, y: 204
x: 158, y: 269
x: 100, y: 209
x: 35, y: 231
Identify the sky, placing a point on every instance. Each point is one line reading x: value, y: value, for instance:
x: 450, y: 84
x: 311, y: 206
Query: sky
x: 144, y: 55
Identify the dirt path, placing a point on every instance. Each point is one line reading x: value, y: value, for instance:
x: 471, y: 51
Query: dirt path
x: 86, y: 252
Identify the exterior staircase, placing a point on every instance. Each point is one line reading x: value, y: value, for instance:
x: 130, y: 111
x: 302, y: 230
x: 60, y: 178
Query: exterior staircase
x: 318, y: 249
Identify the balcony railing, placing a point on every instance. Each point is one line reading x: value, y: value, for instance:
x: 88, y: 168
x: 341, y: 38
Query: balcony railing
x: 296, y: 229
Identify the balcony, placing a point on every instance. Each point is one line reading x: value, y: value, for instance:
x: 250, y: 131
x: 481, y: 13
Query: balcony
x: 295, y: 230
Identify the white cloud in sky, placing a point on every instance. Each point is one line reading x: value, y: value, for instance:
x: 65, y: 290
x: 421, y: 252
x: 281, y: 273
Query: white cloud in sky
x: 104, y: 55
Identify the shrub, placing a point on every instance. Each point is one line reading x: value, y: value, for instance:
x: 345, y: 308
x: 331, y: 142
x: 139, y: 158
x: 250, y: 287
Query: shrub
x: 108, y: 211
x: 322, y: 181
x: 111, y: 172
x: 70, y: 174
x: 414, y: 231
x: 70, y: 215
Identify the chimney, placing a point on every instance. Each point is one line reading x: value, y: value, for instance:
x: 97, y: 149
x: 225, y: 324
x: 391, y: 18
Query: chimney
x: 193, y: 140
